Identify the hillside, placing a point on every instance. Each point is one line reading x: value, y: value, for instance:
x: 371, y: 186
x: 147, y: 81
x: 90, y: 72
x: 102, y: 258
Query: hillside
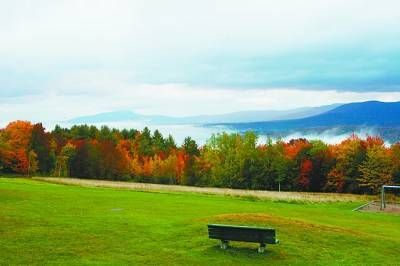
x: 366, y: 114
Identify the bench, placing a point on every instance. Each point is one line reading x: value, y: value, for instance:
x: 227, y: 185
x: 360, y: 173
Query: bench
x: 227, y: 233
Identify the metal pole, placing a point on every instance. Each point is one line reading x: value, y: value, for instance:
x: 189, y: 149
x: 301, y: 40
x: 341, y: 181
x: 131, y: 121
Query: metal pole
x: 382, y: 197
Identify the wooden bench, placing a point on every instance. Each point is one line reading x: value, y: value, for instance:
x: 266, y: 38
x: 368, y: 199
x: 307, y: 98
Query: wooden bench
x: 227, y: 233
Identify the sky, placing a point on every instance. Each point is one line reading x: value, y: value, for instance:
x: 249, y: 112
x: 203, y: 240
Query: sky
x: 62, y: 59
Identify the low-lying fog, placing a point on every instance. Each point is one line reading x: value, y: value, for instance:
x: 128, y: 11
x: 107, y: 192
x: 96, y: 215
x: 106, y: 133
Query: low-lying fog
x: 202, y: 133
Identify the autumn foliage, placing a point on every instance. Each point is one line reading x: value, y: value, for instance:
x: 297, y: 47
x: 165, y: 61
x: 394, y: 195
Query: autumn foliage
x: 227, y: 160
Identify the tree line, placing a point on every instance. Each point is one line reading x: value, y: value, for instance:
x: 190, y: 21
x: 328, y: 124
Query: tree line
x: 226, y: 160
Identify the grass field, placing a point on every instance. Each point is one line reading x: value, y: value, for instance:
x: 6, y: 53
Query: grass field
x: 43, y: 223
x: 256, y: 194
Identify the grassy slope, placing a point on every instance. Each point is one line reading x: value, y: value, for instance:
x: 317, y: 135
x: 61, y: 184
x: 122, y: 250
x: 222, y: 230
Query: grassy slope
x: 41, y: 222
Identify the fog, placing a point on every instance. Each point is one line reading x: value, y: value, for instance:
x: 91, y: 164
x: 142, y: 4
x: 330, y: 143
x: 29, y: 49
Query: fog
x: 329, y: 136
x: 202, y: 133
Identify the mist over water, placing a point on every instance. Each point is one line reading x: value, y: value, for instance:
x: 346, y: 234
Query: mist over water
x: 329, y: 136
x: 202, y: 133
x: 332, y: 136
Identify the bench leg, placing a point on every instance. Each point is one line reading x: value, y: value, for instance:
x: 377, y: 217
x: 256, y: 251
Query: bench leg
x: 261, y: 248
x: 224, y: 244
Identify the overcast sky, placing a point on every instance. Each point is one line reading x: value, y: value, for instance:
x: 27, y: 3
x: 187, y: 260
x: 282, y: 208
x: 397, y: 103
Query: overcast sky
x: 61, y: 59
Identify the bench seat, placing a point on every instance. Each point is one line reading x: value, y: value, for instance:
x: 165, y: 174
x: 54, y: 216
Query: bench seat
x: 253, y: 234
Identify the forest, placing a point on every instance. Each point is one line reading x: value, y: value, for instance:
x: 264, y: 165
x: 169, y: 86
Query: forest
x: 226, y: 160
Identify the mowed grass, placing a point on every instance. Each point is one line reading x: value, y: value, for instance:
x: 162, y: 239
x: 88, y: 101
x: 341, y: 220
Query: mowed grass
x: 43, y: 223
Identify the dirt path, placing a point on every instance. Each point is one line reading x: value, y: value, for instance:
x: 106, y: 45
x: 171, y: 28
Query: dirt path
x: 261, y: 194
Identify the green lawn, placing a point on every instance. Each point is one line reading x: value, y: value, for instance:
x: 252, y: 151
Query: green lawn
x: 58, y: 224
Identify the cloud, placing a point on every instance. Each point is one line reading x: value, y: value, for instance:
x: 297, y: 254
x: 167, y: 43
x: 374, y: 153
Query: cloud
x: 85, y: 93
x: 225, y: 26
x: 61, y: 59
x: 344, y: 45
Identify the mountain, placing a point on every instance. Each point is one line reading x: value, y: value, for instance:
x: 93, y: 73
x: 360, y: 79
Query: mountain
x: 366, y: 114
x: 254, y: 116
x: 236, y: 117
x: 105, y: 117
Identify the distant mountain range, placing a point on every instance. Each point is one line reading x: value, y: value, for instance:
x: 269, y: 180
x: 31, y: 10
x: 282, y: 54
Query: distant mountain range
x: 373, y: 117
x: 236, y: 117
x: 369, y: 114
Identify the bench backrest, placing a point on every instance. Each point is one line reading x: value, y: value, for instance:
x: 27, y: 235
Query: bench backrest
x: 242, y: 233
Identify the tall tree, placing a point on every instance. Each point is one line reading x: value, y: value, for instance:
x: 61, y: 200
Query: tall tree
x: 191, y: 151
x: 303, y: 180
x: 227, y: 153
x: 42, y: 144
x: 145, y: 143
x: 17, y: 135
x: 349, y: 156
x: 4, y: 151
x: 271, y: 167
x: 158, y: 142
x: 376, y: 170
x: 64, y: 160
x: 323, y: 163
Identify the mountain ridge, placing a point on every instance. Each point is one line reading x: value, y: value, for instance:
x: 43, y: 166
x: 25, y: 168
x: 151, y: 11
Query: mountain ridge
x: 234, y: 117
x: 369, y: 113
